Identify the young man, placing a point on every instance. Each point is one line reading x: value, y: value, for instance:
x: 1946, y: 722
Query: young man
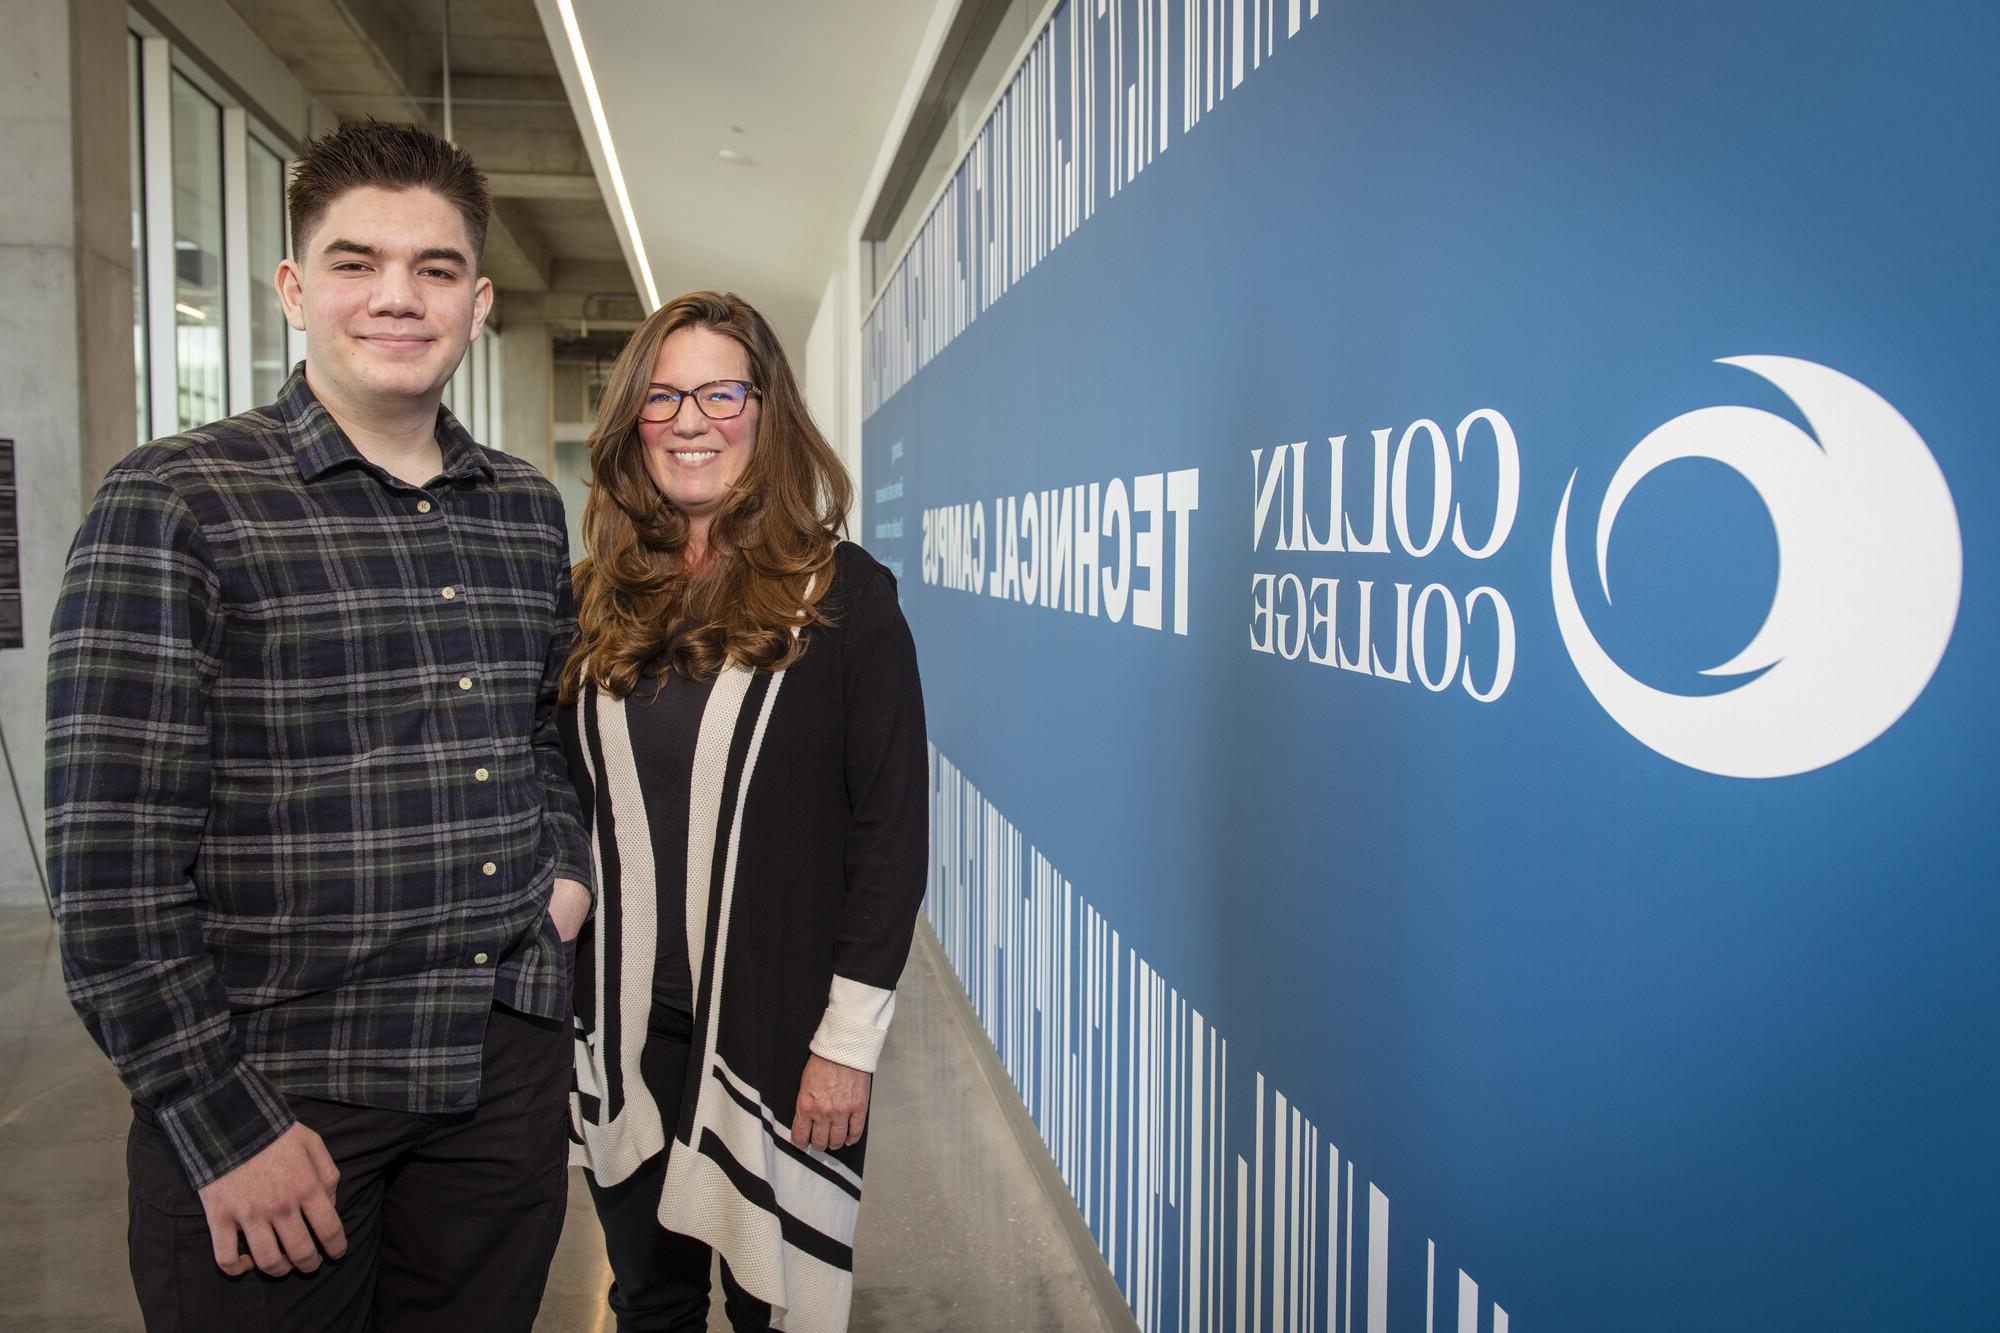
x: 309, y: 823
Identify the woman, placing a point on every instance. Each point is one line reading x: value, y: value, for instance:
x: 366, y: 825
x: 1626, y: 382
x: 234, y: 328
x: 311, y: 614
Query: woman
x: 744, y: 720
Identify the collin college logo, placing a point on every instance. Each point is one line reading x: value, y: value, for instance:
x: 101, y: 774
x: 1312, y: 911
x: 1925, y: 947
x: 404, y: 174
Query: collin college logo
x: 1869, y: 566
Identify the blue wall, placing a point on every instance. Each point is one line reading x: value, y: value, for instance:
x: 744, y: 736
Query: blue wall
x: 1510, y: 967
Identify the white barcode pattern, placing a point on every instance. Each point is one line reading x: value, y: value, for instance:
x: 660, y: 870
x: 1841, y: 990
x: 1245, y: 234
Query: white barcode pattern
x: 1097, y: 99
x: 1131, y: 1088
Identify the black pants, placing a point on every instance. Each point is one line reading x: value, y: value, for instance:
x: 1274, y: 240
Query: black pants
x: 659, y: 1277
x: 451, y: 1220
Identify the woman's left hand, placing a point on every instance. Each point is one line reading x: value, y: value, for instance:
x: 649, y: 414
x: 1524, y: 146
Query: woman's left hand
x: 833, y: 1104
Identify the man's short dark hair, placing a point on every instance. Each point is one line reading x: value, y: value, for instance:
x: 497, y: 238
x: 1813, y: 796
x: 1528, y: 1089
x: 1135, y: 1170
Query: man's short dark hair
x: 389, y: 157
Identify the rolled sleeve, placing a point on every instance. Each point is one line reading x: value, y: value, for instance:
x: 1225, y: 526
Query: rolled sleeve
x: 855, y: 1025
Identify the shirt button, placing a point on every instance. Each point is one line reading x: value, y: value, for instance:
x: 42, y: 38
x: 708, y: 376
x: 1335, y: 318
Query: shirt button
x: 489, y: 869
x: 479, y: 958
x: 423, y: 506
x: 480, y: 775
x: 465, y: 682
x: 448, y: 593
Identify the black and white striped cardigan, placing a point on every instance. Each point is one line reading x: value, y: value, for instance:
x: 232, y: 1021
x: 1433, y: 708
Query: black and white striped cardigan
x: 805, y: 868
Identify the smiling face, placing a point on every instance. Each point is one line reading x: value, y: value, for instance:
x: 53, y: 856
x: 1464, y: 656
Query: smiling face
x: 693, y: 460
x: 388, y: 295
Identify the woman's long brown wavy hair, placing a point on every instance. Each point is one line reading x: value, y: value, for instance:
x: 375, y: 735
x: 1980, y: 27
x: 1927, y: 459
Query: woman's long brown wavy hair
x: 768, y: 558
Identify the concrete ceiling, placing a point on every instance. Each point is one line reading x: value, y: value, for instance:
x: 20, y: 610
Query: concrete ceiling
x: 803, y: 89
x: 552, y: 251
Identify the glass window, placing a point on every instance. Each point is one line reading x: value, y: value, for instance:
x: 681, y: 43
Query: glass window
x: 140, y: 364
x: 268, y: 366
x: 201, y: 362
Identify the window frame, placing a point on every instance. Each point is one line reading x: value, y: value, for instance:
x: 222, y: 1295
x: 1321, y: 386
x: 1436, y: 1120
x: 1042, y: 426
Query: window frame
x: 160, y: 60
x: 254, y: 282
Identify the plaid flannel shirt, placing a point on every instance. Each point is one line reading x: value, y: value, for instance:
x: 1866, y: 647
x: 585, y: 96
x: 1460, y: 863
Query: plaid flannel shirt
x: 306, y: 794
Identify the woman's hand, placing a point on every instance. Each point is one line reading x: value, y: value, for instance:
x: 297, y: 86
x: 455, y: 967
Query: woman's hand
x: 833, y: 1104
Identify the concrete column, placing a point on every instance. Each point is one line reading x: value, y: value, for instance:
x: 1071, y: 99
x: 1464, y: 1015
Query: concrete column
x: 66, y: 368
x: 527, y: 392
x: 107, y: 397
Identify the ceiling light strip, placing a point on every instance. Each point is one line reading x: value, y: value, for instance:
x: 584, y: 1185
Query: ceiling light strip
x: 575, y: 35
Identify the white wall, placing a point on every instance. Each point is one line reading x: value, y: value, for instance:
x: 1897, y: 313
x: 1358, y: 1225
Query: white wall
x: 822, y: 378
x: 844, y: 292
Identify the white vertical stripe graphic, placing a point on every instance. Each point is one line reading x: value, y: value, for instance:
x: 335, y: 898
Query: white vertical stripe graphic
x: 1028, y: 181
x: 1142, y: 1138
x: 1114, y: 1110
x: 1378, y: 1261
x: 1242, y: 1251
x: 1130, y: 1087
x: 1299, y: 1269
x: 1347, y: 1278
x: 1312, y: 1250
x: 1198, y: 1174
x: 1332, y: 1234
x: 1177, y: 1183
x: 1221, y: 1150
x: 1430, y: 1285
x: 1280, y: 1213
x: 1236, y: 44
x: 1208, y: 61
x: 1257, y: 1222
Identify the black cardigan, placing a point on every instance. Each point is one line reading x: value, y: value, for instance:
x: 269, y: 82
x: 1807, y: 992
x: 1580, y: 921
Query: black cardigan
x: 806, y: 858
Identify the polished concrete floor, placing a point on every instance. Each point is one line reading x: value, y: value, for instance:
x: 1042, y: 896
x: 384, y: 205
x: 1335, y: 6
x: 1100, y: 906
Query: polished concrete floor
x: 957, y: 1231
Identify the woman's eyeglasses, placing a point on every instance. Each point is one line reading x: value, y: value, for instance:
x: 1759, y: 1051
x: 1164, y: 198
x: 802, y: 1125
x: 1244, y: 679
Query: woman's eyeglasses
x: 719, y: 400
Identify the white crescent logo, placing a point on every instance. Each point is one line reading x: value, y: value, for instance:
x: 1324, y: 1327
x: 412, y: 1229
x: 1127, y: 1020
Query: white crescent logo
x: 1869, y: 566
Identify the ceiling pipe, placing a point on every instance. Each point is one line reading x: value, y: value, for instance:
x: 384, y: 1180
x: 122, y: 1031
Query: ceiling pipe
x: 448, y: 135
x: 381, y: 96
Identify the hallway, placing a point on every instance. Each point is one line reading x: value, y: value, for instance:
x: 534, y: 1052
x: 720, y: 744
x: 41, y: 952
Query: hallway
x: 956, y: 1230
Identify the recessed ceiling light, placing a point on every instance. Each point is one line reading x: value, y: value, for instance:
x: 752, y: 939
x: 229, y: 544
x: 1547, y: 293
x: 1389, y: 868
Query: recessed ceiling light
x: 734, y: 158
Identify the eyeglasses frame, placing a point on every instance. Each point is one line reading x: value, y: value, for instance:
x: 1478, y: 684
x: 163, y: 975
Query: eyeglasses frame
x: 749, y: 391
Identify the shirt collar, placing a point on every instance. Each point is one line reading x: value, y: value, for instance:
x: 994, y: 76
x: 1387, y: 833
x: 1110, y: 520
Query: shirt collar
x: 320, y: 445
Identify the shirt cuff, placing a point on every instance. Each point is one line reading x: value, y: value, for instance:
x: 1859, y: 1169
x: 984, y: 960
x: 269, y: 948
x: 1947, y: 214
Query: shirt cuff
x: 569, y: 850
x: 224, y: 1125
x: 855, y: 1024
x: 580, y: 872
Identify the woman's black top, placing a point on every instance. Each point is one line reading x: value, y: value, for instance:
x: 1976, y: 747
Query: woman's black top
x: 665, y: 727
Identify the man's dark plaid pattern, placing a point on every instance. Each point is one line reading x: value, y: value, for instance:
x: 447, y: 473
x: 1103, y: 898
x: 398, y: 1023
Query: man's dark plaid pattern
x: 306, y: 796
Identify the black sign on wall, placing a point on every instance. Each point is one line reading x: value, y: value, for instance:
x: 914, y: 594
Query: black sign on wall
x: 11, y: 615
